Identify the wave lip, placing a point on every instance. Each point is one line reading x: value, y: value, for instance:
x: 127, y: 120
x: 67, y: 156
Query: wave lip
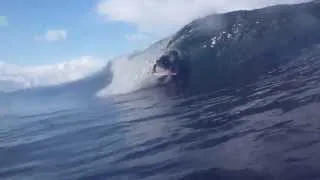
x: 134, y: 72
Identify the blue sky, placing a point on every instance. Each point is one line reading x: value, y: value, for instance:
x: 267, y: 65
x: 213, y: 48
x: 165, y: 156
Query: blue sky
x: 50, y: 31
x: 88, y: 34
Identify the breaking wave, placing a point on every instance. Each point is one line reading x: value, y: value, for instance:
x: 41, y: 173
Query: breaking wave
x: 16, y: 77
x: 133, y: 72
x: 128, y: 76
x: 219, y: 56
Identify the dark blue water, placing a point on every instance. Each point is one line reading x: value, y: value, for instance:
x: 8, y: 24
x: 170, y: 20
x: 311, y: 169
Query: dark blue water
x: 268, y: 129
x: 250, y: 110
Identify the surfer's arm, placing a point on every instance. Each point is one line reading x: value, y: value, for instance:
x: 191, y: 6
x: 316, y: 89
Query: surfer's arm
x: 154, y: 68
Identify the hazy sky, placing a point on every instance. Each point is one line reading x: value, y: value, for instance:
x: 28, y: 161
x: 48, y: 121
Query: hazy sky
x: 51, y: 31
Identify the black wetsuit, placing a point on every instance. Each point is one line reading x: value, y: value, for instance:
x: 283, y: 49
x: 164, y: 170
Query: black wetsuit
x: 163, y: 62
x: 175, y: 64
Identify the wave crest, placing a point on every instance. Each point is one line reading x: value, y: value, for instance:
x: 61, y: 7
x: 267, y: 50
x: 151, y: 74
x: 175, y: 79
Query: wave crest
x: 133, y: 72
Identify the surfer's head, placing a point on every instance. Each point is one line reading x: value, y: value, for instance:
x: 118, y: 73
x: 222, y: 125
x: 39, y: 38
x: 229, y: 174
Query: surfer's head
x: 164, y: 62
x: 174, y: 67
x: 167, y: 62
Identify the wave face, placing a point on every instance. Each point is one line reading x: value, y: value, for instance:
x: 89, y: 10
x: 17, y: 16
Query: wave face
x: 227, y: 49
x: 15, y: 77
x: 237, y: 47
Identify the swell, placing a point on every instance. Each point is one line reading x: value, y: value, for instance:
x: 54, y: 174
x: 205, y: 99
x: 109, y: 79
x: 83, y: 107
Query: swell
x: 236, y: 48
x: 230, y: 49
x: 71, y: 95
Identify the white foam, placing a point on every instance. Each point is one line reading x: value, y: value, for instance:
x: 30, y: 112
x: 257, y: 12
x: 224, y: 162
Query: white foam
x: 14, y: 77
x: 130, y: 74
x: 134, y: 72
x: 213, y: 41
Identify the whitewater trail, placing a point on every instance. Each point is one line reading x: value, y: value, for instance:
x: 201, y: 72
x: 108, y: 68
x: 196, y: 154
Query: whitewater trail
x: 16, y: 77
x: 134, y: 72
x: 130, y: 74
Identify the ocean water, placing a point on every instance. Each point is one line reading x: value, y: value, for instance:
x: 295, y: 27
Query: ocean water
x: 258, y: 120
x: 268, y: 129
